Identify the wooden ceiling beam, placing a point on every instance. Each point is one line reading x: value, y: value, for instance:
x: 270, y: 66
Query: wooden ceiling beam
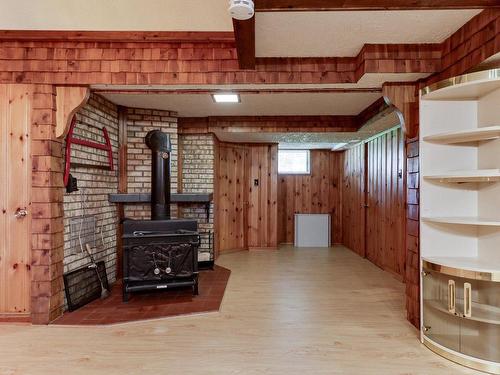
x: 343, y: 5
x: 259, y: 124
x: 244, y: 34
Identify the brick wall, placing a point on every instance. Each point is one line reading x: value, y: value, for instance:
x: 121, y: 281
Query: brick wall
x: 198, y: 177
x: 139, y: 122
x: 94, y: 186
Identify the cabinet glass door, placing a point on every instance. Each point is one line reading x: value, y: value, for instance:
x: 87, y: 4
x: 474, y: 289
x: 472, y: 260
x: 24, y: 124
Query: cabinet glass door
x: 480, y: 326
x: 441, y: 325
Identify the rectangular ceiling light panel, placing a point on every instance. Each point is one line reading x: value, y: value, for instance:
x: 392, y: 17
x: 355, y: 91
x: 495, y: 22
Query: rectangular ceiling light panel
x: 226, y: 98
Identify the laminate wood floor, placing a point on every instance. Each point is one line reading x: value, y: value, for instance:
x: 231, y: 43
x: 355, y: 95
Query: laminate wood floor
x: 292, y: 311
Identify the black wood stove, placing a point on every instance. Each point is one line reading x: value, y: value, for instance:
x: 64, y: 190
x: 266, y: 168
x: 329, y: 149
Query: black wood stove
x: 160, y: 253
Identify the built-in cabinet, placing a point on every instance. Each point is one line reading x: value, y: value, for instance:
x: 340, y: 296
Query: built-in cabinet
x: 460, y: 219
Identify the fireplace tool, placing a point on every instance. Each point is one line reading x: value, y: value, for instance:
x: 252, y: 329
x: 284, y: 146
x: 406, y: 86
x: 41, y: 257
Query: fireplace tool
x: 93, y: 264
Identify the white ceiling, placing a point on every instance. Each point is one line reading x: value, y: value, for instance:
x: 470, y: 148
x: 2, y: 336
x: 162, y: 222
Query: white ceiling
x: 263, y: 104
x: 137, y: 15
x: 344, y: 33
x: 314, y: 140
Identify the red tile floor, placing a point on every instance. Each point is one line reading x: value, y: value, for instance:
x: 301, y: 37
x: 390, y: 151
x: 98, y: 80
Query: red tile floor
x: 142, y: 306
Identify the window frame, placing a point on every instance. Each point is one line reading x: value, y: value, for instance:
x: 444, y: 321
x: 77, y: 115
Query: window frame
x: 308, y: 153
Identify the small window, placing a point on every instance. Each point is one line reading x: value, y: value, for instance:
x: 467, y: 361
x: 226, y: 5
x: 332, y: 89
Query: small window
x: 293, y: 162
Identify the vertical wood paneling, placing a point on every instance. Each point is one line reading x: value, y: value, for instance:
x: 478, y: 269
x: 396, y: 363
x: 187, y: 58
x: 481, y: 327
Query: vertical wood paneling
x: 246, y: 214
x: 263, y: 205
x: 231, y: 197
x: 353, y: 199
x: 15, y: 191
x: 378, y: 164
x: 386, y: 203
x: 319, y: 192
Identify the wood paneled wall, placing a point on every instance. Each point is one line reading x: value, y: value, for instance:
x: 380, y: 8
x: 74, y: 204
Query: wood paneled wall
x: 319, y: 192
x: 385, y: 221
x: 15, y: 194
x: 246, y: 205
x: 354, y: 200
x: 373, y: 176
x: 263, y: 198
x: 231, y: 196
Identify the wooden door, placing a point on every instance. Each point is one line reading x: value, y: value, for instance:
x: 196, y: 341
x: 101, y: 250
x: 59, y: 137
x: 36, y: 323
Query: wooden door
x: 15, y: 190
x: 231, y: 197
x: 354, y: 199
x: 385, y: 214
x: 262, y: 187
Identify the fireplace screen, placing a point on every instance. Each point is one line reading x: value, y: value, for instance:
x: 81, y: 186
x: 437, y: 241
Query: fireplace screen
x: 82, y: 285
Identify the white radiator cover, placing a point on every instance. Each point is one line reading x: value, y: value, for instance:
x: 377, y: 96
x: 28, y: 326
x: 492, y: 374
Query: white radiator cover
x: 312, y: 230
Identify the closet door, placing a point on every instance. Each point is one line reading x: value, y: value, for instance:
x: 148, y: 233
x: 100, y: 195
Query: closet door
x: 15, y: 190
x: 232, y: 197
x: 479, y: 301
x: 441, y: 306
x: 385, y: 213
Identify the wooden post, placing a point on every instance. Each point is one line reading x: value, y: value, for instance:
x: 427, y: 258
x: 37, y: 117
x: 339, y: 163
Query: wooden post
x: 122, y: 184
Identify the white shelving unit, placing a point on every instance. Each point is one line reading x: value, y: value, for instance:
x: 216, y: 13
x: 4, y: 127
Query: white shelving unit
x: 465, y: 136
x: 466, y: 220
x: 477, y: 175
x: 460, y: 212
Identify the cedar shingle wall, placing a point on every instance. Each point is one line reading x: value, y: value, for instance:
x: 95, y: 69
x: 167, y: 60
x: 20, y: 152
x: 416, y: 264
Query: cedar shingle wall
x: 47, y: 219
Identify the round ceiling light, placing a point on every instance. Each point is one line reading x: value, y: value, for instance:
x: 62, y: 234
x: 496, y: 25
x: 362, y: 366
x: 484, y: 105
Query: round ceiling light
x: 241, y: 9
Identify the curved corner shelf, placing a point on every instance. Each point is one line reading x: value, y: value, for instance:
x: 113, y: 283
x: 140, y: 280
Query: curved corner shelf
x: 479, y: 175
x: 470, y: 86
x: 477, y: 268
x: 466, y: 136
x: 464, y: 220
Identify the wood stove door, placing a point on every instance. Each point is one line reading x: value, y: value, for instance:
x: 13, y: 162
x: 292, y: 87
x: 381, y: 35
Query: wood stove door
x: 232, y: 197
x: 15, y: 191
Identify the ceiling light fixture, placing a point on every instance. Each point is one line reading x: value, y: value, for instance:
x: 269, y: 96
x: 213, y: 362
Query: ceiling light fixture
x: 226, y: 98
x: 241, y: 9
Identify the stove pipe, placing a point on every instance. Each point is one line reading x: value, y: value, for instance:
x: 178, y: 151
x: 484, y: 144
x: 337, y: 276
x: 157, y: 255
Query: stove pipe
x: 160, y: 146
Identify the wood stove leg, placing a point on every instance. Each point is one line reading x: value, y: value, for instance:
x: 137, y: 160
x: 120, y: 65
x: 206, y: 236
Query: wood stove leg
x: 125, y: 295
x: 195, y: 286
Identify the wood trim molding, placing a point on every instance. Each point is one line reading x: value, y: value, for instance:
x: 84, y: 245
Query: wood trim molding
x: 261, y: 90
x: 68, y: 101
x: 122, y: 183
x: 117, y: 36
x: 337, y: 5
x: 244, y: 34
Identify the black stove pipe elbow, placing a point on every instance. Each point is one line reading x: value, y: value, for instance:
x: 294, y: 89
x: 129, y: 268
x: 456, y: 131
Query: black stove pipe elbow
x: 160, y: 146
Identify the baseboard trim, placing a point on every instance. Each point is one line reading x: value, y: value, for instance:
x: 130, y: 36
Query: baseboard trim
x: 262, y: 248
x: 15, y: 318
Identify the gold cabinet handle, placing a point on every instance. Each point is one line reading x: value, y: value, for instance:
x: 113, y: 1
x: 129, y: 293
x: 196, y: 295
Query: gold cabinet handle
x: 451, y: 296
x: 467, y: 300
